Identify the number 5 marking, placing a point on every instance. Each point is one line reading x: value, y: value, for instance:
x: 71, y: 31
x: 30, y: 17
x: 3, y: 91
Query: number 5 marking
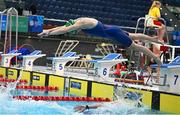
x: 176, y: 77
x: 60, y: 67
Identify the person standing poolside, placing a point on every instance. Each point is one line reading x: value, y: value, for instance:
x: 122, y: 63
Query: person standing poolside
x: 154, y: 12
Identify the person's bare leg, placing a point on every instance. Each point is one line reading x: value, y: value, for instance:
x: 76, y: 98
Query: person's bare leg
x: 161, y: 33
x: 149, y: 70
x: 156, y: 50
x: 146, y: 51
x: 139, y: 36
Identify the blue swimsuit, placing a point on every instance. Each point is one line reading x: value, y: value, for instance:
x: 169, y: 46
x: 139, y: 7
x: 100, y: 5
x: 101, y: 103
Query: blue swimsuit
x: 110, y: 32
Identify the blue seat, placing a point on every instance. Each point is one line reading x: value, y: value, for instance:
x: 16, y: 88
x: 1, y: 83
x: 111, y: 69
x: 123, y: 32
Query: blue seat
x: 35, y: 52
x: 54, y: 15
x: 42, y: 7
x: 48, y: 14
x: 13, y: 51
x: 175, y: 62
x: 112, y: 56
x: 48, y: 1
x: 54, y: 1
x: 60, y: 15
x: 39, y: 6
x: 69, y: 54
x: 50, y: 8
x: 172, y: 2
x: 38, y: 1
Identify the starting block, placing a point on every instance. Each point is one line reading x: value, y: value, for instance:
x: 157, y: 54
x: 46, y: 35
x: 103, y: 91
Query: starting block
x: 6, y: 58
x: 103, y: 66
x: 171, y: 74
x: 59, y: 63
x: 29, y: 59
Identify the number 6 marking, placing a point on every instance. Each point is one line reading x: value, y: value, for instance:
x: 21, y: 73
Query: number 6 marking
x: 104, y: 71
x: 29, y: 63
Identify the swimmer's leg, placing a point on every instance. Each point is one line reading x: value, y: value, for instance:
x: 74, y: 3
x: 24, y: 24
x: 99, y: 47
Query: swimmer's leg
x: 146, y: 51
x: 138, y: 36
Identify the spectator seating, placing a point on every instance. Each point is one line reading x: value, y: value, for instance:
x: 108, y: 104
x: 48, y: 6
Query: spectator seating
x: 114, y: 12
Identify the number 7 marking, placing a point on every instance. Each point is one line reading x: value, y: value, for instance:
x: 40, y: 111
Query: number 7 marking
x: 176, y: 77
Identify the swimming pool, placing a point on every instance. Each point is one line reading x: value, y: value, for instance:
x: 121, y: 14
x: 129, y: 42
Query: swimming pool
x: 20, y: 107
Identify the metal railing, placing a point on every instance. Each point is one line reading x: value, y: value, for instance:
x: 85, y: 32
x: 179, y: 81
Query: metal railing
x: 9, y: 13
x: 146, y: 23
x: 66, y: 46
x: 105, y: 48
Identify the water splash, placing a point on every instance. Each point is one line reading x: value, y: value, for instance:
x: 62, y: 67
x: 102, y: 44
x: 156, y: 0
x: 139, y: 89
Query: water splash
x: 18, y: 80
x: 12, y: 106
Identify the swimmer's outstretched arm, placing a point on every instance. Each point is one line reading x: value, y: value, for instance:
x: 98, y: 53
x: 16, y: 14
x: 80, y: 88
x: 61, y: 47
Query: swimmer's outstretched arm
x: 65, y: 29
x: 83, y: 108
x: 61, y: 29
x: 139, y: 36
x: 47, y: 31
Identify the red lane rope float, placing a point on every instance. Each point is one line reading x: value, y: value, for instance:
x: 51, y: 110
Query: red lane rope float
x: 12, y: 80
x: 39, y: 88
x: 130, y: 81
x: 62, y: 98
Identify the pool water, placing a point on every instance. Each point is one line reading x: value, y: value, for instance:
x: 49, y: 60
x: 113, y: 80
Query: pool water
x: 19, y: 107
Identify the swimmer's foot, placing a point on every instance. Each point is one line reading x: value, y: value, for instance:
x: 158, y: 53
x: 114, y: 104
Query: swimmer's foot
x: 161, y: 42
x: 157, y: 40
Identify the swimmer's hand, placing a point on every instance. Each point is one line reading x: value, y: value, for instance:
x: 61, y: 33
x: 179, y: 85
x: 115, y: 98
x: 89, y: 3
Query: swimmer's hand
x: 80, y: 109
x: 44, y: 33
